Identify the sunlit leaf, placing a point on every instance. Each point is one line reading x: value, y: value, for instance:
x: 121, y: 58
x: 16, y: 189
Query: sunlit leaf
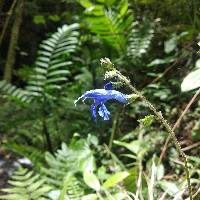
x: 191, y: 81
x: 91, y: 180
x: 115, y: 179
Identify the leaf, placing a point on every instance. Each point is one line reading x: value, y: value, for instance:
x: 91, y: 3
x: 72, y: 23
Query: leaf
x: 136, y: 146
x: 160, y: 171
x: 115, y: 179
x: 130, y: 181
x: 91, y: 180
x: 39, y: 19
x: 197, y: 65
x: 107, y: 23
x: 85, y: 3
x: 161, y: 61
x: 191, y: 81
x: 147, y: 120
x: 65, y: 186
x: 90, y: 197
x: 169, y: 187
x: 170, y: 44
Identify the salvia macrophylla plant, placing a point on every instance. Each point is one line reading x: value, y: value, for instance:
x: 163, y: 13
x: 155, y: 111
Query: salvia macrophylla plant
x: 101, y: 96
x: 115, y: 79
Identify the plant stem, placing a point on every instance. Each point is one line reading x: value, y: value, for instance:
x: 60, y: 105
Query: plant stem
x: 114, y: 127
x: 47, y: 135
x: 165, y: 124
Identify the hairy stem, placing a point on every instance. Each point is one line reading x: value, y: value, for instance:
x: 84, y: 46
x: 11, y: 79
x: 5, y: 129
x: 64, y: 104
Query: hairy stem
x: 165, y: 124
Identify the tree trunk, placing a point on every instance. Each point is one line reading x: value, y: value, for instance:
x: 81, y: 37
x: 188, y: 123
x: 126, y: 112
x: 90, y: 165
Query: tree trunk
x: 10, y: 61
x: 1, y: 6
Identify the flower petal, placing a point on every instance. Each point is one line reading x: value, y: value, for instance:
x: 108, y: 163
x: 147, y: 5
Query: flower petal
x: 93, y: 111
x: 102, y: 95
x: 103, y: 112
x: 108, y: 86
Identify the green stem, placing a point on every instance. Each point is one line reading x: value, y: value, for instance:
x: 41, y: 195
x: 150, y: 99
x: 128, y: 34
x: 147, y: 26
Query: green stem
x: 47, y: 136
x: 114, y: 127
x: 165, y: 124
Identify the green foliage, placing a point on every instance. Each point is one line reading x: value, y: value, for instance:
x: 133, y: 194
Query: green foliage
x: 114, y: 179
x: 52, y: 62
x: 39, y: 19
x: 147, y: 121
x: 71, y: 189
x: 91, y: 180
x: 191, y: 81
x: 25, y: 185
x: 154, y: 45
x: 46, y: 88
x: 77, y: 157
x: 110, y: 25
x: 50, y: 72
x: 11, y: 92
x: 139, y: 40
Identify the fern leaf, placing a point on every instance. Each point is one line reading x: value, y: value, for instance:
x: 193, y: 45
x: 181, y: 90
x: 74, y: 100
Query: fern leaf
x: 109, y: 24
x: 139, y: 40
x: 24, y: 185
x: 53, y: 59
x: 10, y: 91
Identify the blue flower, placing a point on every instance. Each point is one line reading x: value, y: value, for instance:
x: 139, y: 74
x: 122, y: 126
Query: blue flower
x: 100, y: 96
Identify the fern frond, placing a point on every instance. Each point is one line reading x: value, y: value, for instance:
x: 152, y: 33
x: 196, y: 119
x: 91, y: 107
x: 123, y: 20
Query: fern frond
x: 35, y: 155
x: 52, y: 61
x: 10, y: 91
x: 139, y: 40
x: 68, y: 159
x: 109, y: 24
x: 24, y: 185
x: 67, y: 162
x: 71, y: 188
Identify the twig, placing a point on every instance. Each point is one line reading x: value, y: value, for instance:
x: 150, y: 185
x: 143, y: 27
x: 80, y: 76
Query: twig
x: 191, y: 146
x: 178, y: 122
x: 166, y: 70
x: 7, y: 20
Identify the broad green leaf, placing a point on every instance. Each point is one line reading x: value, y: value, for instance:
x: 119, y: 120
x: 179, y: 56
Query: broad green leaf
x: 91, y: 180
x: 131, y: 180
x: 134, y: 146
x: 191, y: 81
x: 115, y: 179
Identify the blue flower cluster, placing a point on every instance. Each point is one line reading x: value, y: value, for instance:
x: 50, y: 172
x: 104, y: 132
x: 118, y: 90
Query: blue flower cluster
x: 100, y: 96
